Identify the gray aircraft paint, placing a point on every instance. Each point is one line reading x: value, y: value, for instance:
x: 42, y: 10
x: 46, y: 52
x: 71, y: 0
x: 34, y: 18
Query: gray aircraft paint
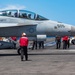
x: 13, y: 26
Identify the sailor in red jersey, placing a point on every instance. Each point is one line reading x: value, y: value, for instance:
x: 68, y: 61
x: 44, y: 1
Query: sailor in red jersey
x: 65, y: 40
x: 23, y: 44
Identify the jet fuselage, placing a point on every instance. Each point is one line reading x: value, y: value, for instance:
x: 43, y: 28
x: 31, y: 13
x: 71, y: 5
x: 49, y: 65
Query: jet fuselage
x: 14, y: 26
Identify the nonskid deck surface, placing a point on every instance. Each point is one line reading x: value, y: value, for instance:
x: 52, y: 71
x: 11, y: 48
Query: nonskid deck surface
x: 47, y: 61
x: 41, y: 62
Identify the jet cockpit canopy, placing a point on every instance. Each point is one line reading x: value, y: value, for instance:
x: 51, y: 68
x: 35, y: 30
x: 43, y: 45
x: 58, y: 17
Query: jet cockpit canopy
x: 22, y: 14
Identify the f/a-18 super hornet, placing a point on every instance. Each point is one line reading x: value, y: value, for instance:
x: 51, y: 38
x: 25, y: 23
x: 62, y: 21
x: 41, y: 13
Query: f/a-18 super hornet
x: 15, y: 22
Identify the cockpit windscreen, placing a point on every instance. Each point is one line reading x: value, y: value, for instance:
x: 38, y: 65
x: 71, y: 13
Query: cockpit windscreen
x: 22, y: 14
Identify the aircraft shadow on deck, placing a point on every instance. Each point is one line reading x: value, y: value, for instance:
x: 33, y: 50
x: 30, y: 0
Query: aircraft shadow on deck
x: 52, y: 54
x: 37, y: 54
x: 9, y: 55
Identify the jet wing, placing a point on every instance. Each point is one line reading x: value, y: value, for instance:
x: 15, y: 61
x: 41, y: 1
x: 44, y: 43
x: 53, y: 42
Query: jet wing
x: 14, y: 24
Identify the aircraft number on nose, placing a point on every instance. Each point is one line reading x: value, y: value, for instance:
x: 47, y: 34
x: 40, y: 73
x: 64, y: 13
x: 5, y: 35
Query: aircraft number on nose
x: 59, y: 26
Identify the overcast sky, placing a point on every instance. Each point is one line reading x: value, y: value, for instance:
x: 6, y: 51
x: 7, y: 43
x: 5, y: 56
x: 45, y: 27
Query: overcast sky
x: 57, y: 10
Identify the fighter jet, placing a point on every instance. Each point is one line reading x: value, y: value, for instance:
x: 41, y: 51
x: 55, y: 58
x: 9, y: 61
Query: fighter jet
x: 15, y: 22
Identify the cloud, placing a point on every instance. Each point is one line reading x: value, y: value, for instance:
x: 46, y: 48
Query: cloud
x: 13, y: 7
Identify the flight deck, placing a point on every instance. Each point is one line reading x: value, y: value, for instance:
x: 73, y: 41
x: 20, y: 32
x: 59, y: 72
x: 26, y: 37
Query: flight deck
x: 48, y: 61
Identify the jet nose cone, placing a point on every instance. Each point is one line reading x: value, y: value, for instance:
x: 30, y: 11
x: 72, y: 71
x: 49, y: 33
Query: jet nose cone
x: 73, y: 30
